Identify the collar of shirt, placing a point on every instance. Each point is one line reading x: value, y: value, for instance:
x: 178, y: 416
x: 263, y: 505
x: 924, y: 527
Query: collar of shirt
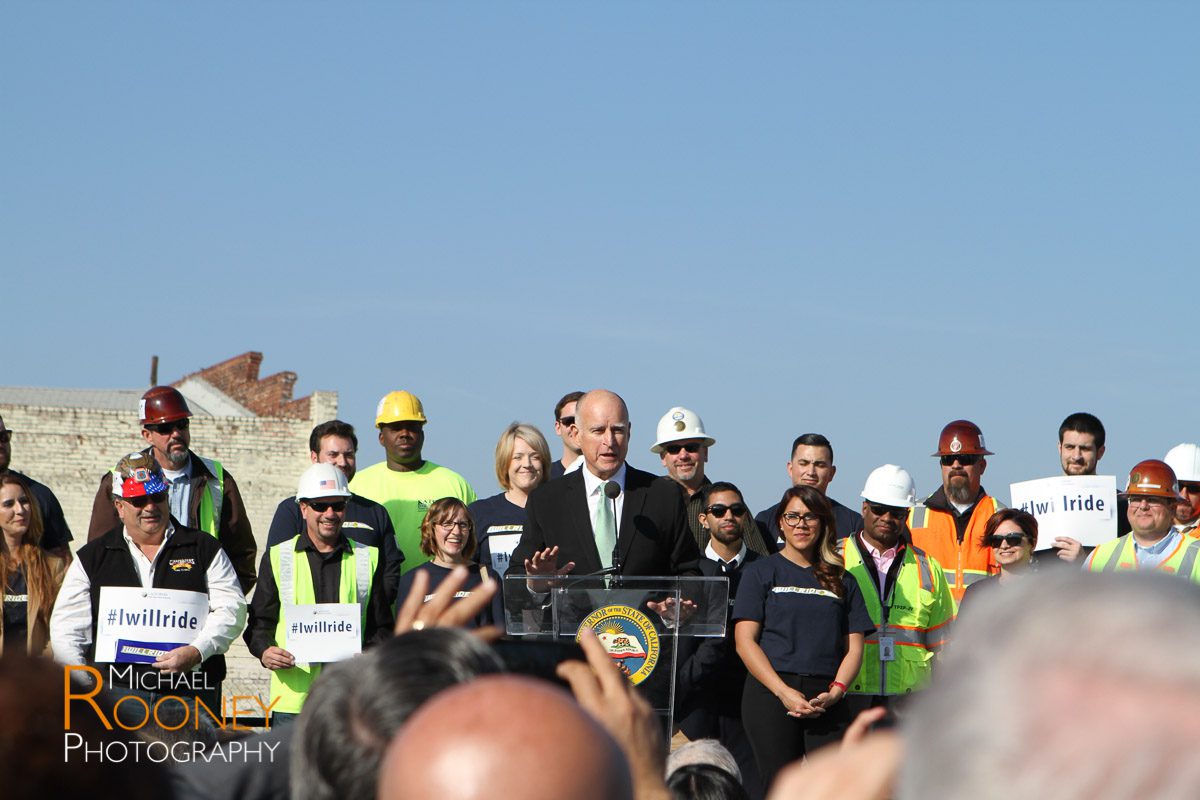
x: 711, y: 554
x: 174, y: 475
x: 592, y: 484
x: 1159, y: 547
x: 306, y: 543
x: 575, y: 465
x: 145, y: 566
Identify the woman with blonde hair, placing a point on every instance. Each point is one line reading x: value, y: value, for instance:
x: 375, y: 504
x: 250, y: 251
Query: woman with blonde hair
x: 29, y: 576
x: 522, y: 465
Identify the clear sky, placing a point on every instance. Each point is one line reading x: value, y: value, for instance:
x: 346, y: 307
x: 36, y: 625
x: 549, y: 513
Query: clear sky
x: 862, y: 219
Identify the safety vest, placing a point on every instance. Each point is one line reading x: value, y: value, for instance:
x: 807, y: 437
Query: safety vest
x: 1120, y: 553
x: 294, y: 584
x: 916, y: 616
x: 208, y: 516
x: 934, y: 531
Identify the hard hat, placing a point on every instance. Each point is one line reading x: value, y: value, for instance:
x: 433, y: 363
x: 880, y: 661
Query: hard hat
x: 961, y: 438
x: 399, y: 407
x: 322, y: 480
x: 137, y: 475
x: 1185, y: 460
x: 891, y: 486
x: 680, y: 424
x: 1152, y: 478
x: 162, y: 404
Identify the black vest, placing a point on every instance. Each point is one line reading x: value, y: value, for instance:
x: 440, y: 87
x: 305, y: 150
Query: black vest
x: 108, y: 562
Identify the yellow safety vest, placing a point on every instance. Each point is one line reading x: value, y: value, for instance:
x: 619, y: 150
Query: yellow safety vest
x: 1120, y: 554
x: 291, y: 685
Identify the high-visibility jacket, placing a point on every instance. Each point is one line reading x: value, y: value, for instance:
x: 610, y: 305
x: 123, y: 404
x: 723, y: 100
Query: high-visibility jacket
x: 1120, y: 554
x: 934, y: 531
x: 294, y: 584
x: 916, y: 616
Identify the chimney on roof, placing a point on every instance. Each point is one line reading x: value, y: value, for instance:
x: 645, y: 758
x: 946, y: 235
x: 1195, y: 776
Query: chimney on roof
x: 154, y: 370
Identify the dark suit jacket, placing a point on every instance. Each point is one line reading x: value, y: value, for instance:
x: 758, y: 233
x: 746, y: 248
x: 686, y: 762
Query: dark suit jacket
x: 653, y: 536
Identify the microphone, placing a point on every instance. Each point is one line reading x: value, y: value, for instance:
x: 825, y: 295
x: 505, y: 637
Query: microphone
x: 612, y: 490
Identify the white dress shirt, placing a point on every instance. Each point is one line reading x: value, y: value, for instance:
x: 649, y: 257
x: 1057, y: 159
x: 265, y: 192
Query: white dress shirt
x: 594, y: 487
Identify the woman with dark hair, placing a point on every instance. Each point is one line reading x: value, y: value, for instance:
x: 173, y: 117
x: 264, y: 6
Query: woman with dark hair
x: 448, y: 538
x: 800, y: 621
x: 29, y: 576
x: 1012, y: 534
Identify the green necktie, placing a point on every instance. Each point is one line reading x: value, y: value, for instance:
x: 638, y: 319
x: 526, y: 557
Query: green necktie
x: 605, y: 528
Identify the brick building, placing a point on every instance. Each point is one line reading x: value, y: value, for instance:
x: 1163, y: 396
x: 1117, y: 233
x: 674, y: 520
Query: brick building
x: 67, y: 438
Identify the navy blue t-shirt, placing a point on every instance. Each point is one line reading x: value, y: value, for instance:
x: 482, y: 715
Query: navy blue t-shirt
x: 498, y: 527
x: 437, y: 574
x: 803, y: 625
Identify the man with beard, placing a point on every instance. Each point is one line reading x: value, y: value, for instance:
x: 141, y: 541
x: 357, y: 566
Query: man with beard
x: 949, y: 527
x: 1080, y: 447
x: 1185, y: 460
x: 203, y: 495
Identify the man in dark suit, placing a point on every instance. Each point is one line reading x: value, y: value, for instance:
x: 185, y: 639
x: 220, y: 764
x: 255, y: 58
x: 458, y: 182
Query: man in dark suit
x: 572, y: 527
x: 708, y: 691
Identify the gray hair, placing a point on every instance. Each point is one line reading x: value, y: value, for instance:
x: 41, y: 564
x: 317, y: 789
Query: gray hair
x: 703, y: 751
x: 1067, y: 686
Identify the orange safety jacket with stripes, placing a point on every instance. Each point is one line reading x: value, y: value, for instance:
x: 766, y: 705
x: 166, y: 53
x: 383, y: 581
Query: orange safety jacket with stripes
x: 934, y: 531
x: 911, y: 623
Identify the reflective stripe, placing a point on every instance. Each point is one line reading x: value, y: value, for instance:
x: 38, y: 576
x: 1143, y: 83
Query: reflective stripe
x: 919, y: 517
x: 923, y: 570
x: 209, y: 513
x: 1189, y: 558
x: 1114, y: 557
x: 362, y: 571
x: 903, y: 635
x: 287, y: 581
x: 970, y: 576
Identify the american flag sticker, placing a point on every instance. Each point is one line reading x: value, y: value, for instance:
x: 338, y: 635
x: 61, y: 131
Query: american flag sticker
x: 327, y: 484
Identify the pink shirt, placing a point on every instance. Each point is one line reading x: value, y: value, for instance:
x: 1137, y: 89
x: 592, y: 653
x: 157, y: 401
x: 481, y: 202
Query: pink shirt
x: 883, y: 560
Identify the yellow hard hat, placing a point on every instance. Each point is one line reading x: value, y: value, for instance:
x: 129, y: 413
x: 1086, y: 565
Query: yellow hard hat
x: 399, y: 407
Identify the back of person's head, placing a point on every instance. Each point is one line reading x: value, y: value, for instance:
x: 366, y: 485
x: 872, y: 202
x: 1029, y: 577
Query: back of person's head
x: 1070, y: 686
x: 356, y: 706
x: 703, y: 751
x: 704, y: 782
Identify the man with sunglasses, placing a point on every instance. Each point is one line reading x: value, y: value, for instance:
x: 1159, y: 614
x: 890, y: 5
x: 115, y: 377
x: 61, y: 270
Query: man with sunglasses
x: 949, y: 526
x: 56, y: 534
x: 318, y: 565
x: 150, y: 548
x: 905, y: 591
x: 1154, y: 543
x: 202, y: 493
x: 1185, y: 460
x: 711, y: 676
x: 564, y: 419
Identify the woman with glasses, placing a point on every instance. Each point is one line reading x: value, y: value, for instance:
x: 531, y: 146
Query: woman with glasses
x: 1012, y: 534
x: 800, y: 620
x: 448, y: 538
x: 29, y: 576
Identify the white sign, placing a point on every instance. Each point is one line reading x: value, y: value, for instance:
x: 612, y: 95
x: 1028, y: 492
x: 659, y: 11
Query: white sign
x: 137, y: 625
x: 323, y: 632
x: 501, y: 544
x: 1083, y: 507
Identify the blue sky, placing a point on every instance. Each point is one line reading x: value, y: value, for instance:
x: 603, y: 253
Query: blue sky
x: 862, y: 219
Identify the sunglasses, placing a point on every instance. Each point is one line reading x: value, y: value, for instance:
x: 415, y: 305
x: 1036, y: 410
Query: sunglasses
x: 966, y: 461
x: 718, y: 510
x: 691, y: 447
x: 5, y: 436
x: 1010, y: 539
x: 567, y: 420
x: 167, y: 428
x: 898, y: 514
x: 146, y: 499
x: 795, y: 520
x: 321, y: 508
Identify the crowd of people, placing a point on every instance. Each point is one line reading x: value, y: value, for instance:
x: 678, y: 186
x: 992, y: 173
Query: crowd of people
x: 837, y: 618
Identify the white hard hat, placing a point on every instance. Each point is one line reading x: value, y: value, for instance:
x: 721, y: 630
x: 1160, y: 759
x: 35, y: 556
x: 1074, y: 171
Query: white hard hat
x: 680, y: 424
x: 322, y: 480
x: 1185, y: 460
x: 891, y: 486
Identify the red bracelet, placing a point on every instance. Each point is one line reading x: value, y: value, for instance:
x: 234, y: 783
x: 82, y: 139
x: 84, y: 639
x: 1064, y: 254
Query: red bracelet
x: 840, y: 685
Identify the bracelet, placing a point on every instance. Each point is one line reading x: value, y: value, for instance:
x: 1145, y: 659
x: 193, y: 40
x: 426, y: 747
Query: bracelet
x: 840, y: 685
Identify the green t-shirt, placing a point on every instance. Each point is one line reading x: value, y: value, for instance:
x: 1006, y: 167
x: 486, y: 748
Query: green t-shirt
x: 407, y: 496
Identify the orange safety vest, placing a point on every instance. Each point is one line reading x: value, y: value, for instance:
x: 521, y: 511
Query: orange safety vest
x: 934, y: 531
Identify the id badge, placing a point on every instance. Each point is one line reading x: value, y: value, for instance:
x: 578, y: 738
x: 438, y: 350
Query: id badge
x: 887, y: 648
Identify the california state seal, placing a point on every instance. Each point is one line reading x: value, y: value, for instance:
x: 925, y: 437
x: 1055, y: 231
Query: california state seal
x: 629, y: 637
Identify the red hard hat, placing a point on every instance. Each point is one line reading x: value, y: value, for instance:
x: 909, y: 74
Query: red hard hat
x: 961, y: 438
x: 1152, y: 478
x: 162, y: 404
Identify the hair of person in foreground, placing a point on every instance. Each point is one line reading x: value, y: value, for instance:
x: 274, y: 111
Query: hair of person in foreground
x: 1072, y: 686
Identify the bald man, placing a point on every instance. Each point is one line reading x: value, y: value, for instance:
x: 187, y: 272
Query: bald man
x: 571, y: 521
x: 504, y: 736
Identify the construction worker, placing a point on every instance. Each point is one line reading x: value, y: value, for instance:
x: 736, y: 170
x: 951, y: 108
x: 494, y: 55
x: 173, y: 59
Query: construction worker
x: 203, y: 494
x: 1185, y: 460
x: 949, y: 526
x: 1154, y: 543
x: 405, y: 483
x: 905, y: 591
x: 319, y: 565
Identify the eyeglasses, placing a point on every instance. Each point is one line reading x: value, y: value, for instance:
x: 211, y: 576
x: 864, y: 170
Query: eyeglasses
x: 795, y: 520
x: 167, y: 428
x: 691, y: 447
x: 1153, y: 501
x: 5, y: 436
x: 567, y: 420
x: 321, y: 508
x: 146, y: 499
x: 1010, y: 539
x: 898, y: 514
x: 966, y: 461
x: 449, y: 526
x: 718, y: 510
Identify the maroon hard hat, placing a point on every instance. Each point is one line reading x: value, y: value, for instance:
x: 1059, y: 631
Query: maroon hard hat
x: 961, y: 438
x: 1152, y: 478
x: 162, y: 404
